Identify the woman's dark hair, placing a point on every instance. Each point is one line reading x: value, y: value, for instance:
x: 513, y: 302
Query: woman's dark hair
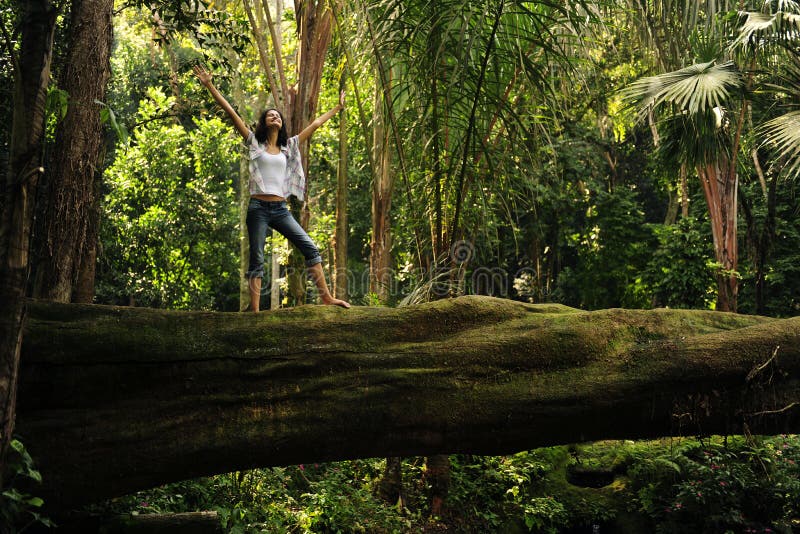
x: 261, y: 128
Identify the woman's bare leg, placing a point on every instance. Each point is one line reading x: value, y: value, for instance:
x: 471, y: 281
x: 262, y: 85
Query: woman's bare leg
x: 255, y: 293
x: 324, y: 294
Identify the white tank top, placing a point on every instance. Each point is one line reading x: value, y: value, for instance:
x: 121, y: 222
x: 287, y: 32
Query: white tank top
x: 273, y: 174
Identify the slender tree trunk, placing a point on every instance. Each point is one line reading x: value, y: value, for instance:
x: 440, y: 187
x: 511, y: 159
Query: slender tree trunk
x: 314, y: 25
x: 760, y: 240
x: 390, y: 487
x: 720, y: 189
x: 244, y: 243
x: 256, y: 27
x: 437, y: 475
x: 651, y: 122
x: 672, y: 208
x: 768, y: 237
x: 31, y: 79
x: 759, y: 171
x: 437, y: 237
x: 274, y: 276
x: 380, y: 261
x: 340, y: 238
x: 276, y: 34
x: 69, y: 226
x: 684, y: 192
x: 242, y: 198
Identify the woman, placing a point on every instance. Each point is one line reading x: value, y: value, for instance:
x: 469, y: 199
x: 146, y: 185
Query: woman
x: 275, y: 173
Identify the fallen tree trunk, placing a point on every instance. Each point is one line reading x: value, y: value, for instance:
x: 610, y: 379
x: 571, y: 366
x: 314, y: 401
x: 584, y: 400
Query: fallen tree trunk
x: 113, y: 400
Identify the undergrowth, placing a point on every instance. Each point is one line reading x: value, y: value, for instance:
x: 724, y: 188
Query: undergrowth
x: 714, y: 485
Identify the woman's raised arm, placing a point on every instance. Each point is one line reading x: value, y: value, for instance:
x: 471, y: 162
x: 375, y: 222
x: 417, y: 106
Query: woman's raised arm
x: 322, y: 119
x: 205, y: 78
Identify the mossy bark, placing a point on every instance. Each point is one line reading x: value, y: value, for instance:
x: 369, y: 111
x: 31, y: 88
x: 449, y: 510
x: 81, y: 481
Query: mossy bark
x: 31, y: 78
x: 115, y: 399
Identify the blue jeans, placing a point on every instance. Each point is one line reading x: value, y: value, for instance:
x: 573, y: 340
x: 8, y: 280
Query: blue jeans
x: 262, y: 217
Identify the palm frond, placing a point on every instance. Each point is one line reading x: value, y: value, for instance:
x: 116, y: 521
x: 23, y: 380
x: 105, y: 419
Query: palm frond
x: 697, y: 88
x: 783, y: 5
x: 783, y: 133
x: 767, y: 28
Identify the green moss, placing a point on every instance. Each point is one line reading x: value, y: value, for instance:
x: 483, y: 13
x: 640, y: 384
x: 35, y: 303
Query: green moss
x: 584, y: 506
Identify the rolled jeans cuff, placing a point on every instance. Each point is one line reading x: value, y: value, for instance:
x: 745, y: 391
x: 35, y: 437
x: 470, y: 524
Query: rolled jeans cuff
x: 313, y: 261
x: 258, y: 273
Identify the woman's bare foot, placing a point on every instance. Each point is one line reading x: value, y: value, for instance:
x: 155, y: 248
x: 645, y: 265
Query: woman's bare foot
x: 322, y: 287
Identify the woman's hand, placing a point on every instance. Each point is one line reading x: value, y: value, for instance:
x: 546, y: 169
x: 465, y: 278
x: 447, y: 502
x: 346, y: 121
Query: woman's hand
x: 205, y: 78
x: 203, y: 75
x: 322, y: 119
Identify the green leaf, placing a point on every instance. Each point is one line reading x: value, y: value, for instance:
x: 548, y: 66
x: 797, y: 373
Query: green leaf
x: 57, y: 102
x: 14, y: 495
x: 35, y: 501
x: 18, y: 446
x: 35, y: 475
x: 107, y: 116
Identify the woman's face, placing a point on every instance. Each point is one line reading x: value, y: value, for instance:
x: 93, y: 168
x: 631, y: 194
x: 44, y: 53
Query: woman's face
x: 273, y: 119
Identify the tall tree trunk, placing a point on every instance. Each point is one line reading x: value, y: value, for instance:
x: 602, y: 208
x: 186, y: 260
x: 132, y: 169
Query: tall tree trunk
x: 437, y: 238
x: 274, y: 277
x: 390, y: 487
x: 71, y: 196
x: 244, y: 243
x: 721, y: 189
x: 31, y: 79
x: 242, y: 198
x: 768, y: 236
x: 257, y: 28
x: 684, y: 185
x: 314, y: 24
x: 340, y: 238
x: 437, y: 475
x: 380, y: 261
x: 672, y: 208
x: 760, y: 240
x: 83, y: 290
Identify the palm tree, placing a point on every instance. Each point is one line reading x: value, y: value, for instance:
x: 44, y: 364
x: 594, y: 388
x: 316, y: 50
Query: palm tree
x: 706, y: 107
x: 703, y: 132
x: 770, y: 37
x: 668, y: 29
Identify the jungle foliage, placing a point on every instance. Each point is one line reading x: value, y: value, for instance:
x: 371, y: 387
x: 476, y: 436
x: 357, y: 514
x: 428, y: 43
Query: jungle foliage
x: 560, y: 197
x: 670, y: 486
x: 539, y: 151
